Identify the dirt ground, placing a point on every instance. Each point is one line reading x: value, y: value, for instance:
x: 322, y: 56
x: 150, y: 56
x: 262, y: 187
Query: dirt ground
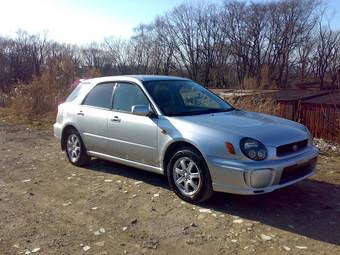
x: 48, y: 206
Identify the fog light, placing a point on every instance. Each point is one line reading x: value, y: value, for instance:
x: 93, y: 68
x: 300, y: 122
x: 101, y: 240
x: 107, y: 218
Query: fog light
x: 260, y: 178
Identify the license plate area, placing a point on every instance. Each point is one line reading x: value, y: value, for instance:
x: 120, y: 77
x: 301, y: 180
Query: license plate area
x: 294, y: 172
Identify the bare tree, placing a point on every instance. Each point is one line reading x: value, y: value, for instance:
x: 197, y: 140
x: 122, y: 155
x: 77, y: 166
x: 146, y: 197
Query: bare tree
x: 327, y: 48
x: 231, y: 43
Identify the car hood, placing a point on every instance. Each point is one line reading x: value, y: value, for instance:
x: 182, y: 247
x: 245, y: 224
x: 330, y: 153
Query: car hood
x: 270, y: 130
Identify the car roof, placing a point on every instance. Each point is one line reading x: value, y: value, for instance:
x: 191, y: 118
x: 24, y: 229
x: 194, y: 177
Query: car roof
x: 140, y: 78
x: 156, y: 77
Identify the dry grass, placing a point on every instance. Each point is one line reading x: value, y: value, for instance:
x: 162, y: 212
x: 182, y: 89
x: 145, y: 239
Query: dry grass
x: 264, y: 80
x: 37, y: 102
x: 254, y: 103
x: 40, y: 98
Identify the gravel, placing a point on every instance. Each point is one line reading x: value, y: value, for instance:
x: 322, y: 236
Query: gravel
x: 55, y: 214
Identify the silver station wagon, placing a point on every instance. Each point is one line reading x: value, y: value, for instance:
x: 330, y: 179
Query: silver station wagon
x: 175, y: 127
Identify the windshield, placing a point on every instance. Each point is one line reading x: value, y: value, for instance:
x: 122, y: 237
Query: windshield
x: 184, y: 97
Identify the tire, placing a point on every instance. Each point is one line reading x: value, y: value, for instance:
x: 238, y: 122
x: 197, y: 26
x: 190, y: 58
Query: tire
x: 194, y: 184
x: 75, y: 149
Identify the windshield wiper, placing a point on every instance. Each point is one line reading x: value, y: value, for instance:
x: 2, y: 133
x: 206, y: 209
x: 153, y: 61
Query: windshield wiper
x: 223, y: 110
x: 189, y: 113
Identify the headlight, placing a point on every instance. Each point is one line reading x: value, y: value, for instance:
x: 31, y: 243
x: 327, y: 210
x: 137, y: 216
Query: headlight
x: 310, y: 137
x: 253, y: 149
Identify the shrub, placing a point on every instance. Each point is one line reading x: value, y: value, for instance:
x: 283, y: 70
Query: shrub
x: 92, y: 73
x: 4, y: 99
x: 45, y: 92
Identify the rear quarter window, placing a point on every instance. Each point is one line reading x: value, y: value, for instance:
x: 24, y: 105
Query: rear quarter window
x: 76, y: 92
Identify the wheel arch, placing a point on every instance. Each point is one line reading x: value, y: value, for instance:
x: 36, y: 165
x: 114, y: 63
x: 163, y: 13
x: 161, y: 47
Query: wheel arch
x: 67, y: 128
x: 176, y: 145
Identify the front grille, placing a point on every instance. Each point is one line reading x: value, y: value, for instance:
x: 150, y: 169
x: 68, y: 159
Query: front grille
x: 294, y: 172
x: 291, y: 147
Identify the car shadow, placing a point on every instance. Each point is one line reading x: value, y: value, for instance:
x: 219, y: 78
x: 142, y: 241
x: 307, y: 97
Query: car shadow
x: 128, y: 172
x: 310, y: 208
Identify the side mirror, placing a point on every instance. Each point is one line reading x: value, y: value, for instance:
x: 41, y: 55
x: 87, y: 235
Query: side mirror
x: 141, y: 110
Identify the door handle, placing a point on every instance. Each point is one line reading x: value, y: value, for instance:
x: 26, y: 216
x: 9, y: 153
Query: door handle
x: 80, y: 113
x: 116, y: 119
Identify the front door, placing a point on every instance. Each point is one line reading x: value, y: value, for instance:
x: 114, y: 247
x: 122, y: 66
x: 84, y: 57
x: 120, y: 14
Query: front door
x: 132, y: 137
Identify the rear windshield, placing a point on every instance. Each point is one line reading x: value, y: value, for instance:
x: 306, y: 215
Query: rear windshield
x: 76, y: 92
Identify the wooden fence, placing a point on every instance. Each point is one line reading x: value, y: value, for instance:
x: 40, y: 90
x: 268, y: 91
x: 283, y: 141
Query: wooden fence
x: 320, y: 114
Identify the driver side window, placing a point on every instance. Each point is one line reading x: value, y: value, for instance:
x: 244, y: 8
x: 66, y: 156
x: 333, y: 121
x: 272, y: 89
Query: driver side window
x: 127, y: 95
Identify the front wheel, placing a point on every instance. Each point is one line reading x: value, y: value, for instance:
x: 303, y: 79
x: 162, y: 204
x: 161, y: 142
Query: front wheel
x: 75, y: 149
x: 189, y: 176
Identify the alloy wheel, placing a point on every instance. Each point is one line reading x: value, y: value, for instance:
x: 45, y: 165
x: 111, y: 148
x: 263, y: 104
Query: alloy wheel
x: 73, y: 147
x: 186, y: 176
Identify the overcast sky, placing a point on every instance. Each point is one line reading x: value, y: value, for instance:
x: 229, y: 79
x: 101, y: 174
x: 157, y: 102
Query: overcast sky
x: 83, y: 21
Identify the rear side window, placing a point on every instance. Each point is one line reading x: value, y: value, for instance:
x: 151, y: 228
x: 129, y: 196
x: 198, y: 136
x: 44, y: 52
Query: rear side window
x: 127, y: 95
x: 100, y: 96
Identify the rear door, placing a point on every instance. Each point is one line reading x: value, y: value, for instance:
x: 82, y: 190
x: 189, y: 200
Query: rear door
x: 132, y: 137
x: 92, y: 117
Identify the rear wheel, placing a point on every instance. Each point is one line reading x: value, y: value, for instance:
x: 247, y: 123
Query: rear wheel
x: 75, y: 149
x: 189, y: 176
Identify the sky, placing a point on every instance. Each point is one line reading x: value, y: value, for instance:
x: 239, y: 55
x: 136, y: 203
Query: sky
x: 84, y: 21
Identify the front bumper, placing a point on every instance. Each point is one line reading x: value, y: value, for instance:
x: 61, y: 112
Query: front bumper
x: 57, y: 130
x: 257, y: 177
